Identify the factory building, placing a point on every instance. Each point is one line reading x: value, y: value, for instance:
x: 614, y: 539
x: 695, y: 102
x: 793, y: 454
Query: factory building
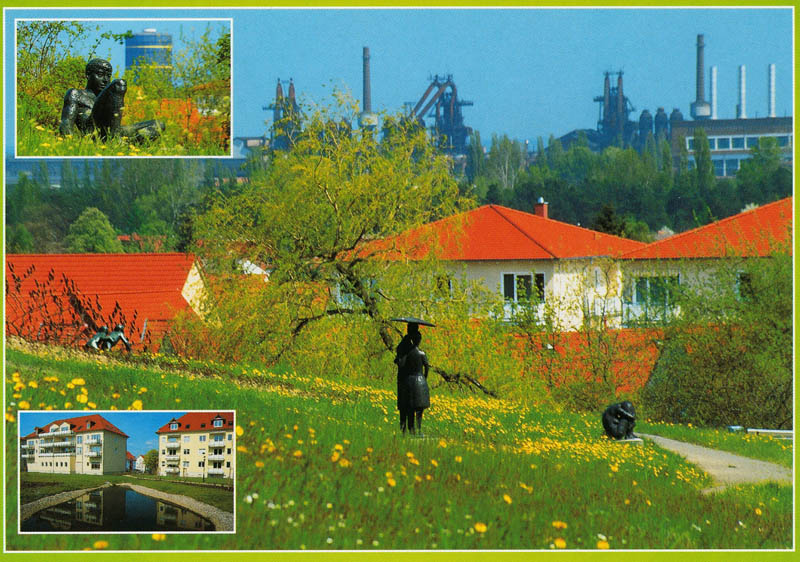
x: 730, y: 140
x: 149, y: 48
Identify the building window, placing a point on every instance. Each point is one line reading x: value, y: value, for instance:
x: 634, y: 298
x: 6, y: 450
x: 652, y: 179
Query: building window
x: 712, y: 143
x: 229, y: 451
x: 80, y: 439
x: 201, y: 464
x: 218, y: 423
x: 187, y: 451
x: 719, y: 167
x: 95, y: 466
x: 650, y: 298
x: 783, y: 141
x: 752, y: 142
x: 731, y: 166
x: 230, y: 436
x: 173, y: 426
x: 185, y: 438
x: 203, y: 438
x: 523, y: 288
x: 201, y: 452
x: 185, y: 464
x: 738, y: 142
x: 723, y: 143
x: 228, y: 464
x: 690, y: 143
x: 80, y: 450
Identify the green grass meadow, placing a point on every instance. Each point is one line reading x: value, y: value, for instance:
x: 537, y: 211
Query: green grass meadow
x: 321, y: 466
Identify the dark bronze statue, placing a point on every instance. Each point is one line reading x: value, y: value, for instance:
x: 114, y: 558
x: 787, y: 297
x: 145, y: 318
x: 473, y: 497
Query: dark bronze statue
x: 99, y: 106
x: 619, y: 419
x: 413, y: 395
x: 102, y: 340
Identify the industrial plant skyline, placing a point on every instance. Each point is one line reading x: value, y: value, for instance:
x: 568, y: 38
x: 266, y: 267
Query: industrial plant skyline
x: 529, y: 72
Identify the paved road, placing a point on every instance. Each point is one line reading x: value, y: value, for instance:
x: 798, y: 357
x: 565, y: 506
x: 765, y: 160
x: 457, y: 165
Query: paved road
x: 725, y: 468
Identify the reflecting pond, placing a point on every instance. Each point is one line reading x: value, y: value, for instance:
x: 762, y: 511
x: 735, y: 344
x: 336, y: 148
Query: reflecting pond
x: 115, y: 508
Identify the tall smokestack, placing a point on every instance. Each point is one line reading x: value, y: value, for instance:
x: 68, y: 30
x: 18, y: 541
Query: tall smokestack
x: 367, y: 119
x: 741, y: 109
x: 771, y: 90
x: 367, y: 92
x: 713, y: 92
x: 700, y: 108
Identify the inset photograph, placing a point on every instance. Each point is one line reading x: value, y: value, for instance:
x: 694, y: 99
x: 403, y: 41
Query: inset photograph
x: 126, y: 472
x: 123, y: 87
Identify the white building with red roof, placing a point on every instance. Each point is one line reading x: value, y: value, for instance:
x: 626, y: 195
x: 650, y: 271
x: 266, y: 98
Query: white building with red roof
x: 68, y: 297
x: 700, y: 256
x: 527, y: 259
x: 198, y: 444
x: 80, y: 445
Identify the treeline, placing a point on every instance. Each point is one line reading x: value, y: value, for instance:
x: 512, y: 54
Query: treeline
x: 98, y: 200
x: 621, y: 191
x: 618, y: 191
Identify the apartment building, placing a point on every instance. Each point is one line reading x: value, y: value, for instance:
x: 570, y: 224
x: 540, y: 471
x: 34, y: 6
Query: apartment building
x: 81, y: 445
x: 197, y: 444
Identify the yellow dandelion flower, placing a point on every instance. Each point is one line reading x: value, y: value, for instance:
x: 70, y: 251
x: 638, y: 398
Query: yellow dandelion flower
x: 458, y: 458
x: 758, y: 511
x: 92, y: 405
x: 143, y: 390
x: 507, y: 499
x: 19, y: 386
x: 10, y: 417
x: 559, y: 525
x: 33, y: 384
x: 410, y: 455
x: 560, y: 543
x: 391, y: 482
x: 159, y: 537
x: 241, y: 449
x: 260, y: 464
x: 45, y: 145
x: 434, y: 463
x: 344, y: 463
x: 115, y: 395
x: 137, y: 405
x: 239, y: 431
x: 297, y: 454
x: 603, y: 545
x: 82, y: 398
x: 480, y: 527
x: 78, y: 381
x: 84, y: 391
x: 100, y: 544
x: 442, y: 443
x: 67, y: 405
x: 335, y: 456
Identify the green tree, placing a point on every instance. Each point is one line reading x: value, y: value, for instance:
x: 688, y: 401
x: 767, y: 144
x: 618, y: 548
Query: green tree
x: 505, y: 161
x: 476, y: 159
x: 333, y: 260
x: 151, y: 461
x: 763, y: 178
x: 727, y: 360
x: 92, y: 233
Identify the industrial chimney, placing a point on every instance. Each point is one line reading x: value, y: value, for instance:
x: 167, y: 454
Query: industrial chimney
x: 700, y: 108
x: 771, y: 90
x: 367, y: 119
x: 713, y: 92
x: 741, y: 109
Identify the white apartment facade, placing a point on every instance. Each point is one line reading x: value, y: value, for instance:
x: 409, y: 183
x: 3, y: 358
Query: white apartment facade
x: 80, y: 445
x: 198, y: 444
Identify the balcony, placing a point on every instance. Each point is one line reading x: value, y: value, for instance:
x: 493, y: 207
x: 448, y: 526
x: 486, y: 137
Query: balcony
x: 94, y: 454
x: 57, y: 432
x: 216, y: 471
x: 28, y: 455
x: 172, y: 470
x: 216, y: 457
x: 173, y: 457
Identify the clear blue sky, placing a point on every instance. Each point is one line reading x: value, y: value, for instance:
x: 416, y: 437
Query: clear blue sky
x: 140, y: 426
x: 529, y: 72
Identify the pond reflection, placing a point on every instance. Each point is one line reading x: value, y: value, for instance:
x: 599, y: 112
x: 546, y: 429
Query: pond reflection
x: 115, y: 508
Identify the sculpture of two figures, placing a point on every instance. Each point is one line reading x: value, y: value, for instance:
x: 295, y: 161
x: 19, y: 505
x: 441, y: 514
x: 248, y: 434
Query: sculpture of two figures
x: 103, y: 340
x: 99, y: 107
x: 619, y: 419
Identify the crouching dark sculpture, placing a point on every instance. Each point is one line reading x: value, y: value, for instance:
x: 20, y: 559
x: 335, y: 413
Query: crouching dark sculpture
x: 103, y: 340
x: 98, y: 107
x: 619, y: 419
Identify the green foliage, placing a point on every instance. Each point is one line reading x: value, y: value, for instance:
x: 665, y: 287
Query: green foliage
x: 92, y: 233
x: 151, y: 461
x: 727, y: 360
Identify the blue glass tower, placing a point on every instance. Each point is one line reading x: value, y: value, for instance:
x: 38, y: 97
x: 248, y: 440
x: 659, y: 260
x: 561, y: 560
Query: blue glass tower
x: 149, y: 48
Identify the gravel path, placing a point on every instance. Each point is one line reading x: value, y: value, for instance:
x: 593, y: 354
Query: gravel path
x: 725, y: 468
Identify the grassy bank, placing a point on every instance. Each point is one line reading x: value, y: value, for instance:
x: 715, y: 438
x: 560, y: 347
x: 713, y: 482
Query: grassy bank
x: 38, y: 485
x: 320, y: 465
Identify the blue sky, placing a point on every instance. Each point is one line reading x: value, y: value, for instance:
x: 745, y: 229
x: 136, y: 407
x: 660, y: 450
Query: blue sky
x: 140, y: 426
x: 529, y: 72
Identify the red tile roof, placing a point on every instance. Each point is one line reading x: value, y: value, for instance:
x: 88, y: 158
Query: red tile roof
x: 756, y: 232
x: 493, y: 232
x: 129, y: 456
x: 79, y: 425
x: 148, y: 285
x: 198, y: 421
